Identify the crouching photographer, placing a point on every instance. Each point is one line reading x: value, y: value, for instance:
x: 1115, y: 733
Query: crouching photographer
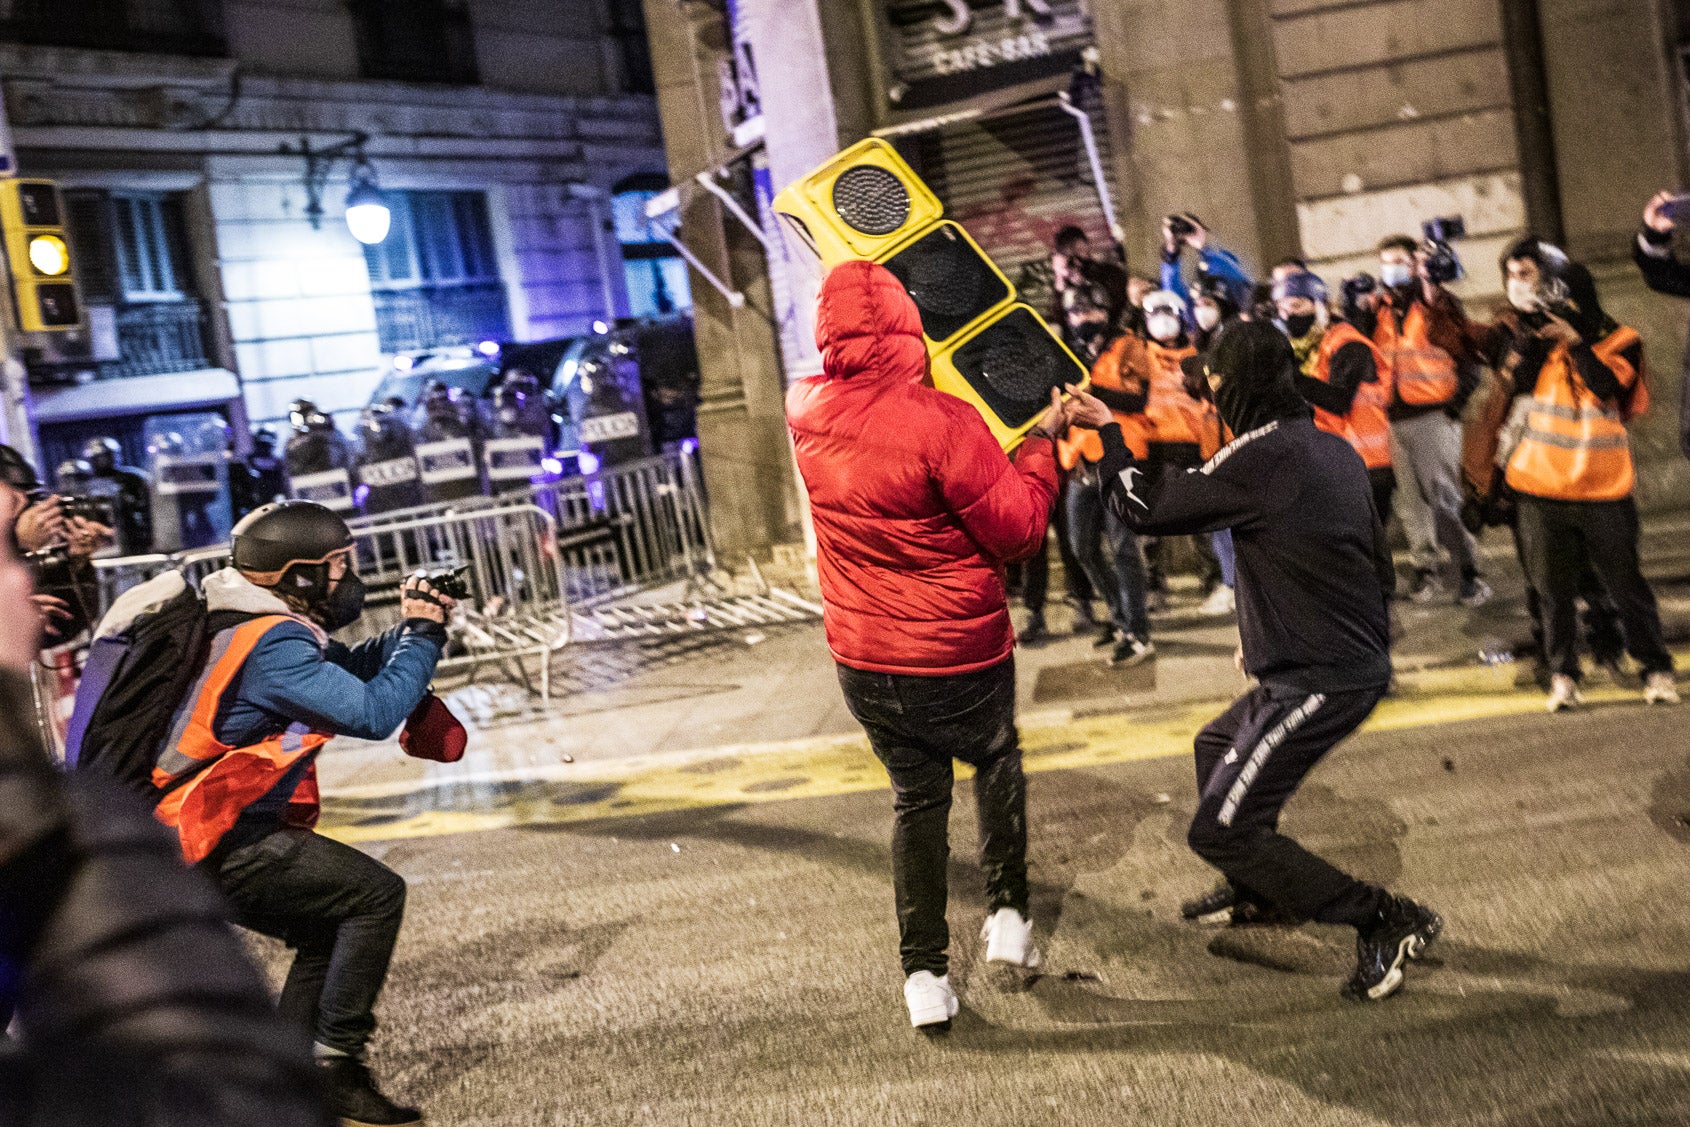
x: 236, y: 776
x: 57, y: 539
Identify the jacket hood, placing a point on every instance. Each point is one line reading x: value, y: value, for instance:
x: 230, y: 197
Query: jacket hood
x: 1257, y: 370
x: 229, y: 590
x: 867, y: 327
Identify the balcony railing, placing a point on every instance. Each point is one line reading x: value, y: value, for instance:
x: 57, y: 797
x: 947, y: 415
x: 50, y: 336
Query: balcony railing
x: 441, y: 316
x: 159, y: 338
x: 178, y: 27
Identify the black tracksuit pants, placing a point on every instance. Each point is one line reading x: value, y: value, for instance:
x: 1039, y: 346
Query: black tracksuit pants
x: 1250, y: 761
x: 916, y: 726
x: 1558, y: 541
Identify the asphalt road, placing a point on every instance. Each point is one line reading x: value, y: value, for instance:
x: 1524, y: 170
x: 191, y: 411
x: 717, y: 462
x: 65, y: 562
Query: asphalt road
x: 735, y: 963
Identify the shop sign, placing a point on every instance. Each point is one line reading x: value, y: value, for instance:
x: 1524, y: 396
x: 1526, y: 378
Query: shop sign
x: 940, y: 51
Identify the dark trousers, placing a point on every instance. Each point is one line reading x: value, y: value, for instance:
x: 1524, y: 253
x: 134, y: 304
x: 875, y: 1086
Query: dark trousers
x: 1031, y: 576
x: 1108, y: 551
x: 1599, y: 621
x: 1558, y: 541
x: 916, y: 726
x: 338, y: 909
x: 1250, y: 761
x: 1384, y: 483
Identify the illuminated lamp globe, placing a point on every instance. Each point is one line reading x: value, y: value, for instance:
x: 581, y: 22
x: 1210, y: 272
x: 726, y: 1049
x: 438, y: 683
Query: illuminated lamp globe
x: 367, y: 213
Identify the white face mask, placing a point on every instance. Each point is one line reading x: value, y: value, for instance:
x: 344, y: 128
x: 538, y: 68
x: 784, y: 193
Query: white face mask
x: 1522, y: 295
x: 1395, y: 274
x: 1208, y: 317
x: 1163, y: 326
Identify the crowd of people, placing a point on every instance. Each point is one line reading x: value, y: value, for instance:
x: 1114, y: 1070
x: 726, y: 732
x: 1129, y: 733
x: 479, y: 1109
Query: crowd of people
x: 1276, y: 428
x: 1390, y: 364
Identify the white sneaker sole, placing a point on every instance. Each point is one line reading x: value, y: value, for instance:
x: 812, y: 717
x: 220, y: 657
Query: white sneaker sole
x: 1410, y: 948
x: 936, y: 1014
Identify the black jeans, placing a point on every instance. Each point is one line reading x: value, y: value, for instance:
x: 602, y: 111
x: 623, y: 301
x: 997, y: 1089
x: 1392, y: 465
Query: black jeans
x: 1250, y: 761
x: 1599, y: 620
x: 916, y: 726
x: 337, y: 908
x: 1559, y: 540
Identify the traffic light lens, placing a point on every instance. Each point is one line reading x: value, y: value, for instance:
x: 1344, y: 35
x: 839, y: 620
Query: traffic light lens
x: 49, y: 255
x: 871, y: 199
x: 1012, y: 365
x: 949, y: 280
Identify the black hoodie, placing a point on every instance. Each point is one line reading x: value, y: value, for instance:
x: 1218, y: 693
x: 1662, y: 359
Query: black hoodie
x: 1311, y: 555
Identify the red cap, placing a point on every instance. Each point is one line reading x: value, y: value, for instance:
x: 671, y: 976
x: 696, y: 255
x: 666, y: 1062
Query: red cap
x: 432, y: 732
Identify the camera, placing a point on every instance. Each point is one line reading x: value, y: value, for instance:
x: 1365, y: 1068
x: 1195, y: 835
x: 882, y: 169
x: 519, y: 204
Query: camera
x: 452, y: 582
x: 1443, y: 265
x: 99, y: 510
x: 1180, y: 227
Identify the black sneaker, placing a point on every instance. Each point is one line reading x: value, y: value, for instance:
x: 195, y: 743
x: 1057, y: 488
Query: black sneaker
x: 1213, y: 907
x: 1107, y: 637
x: 353, y: 1096
x: 1035, y: 631
x: 1404, y: 931
x: 1129, y: 651
x: 1253, y: 913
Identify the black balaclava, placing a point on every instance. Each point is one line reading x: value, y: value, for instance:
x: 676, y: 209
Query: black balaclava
x: 1257, y: 377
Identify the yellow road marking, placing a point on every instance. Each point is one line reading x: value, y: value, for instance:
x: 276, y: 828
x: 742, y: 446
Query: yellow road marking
x: 836, y: 765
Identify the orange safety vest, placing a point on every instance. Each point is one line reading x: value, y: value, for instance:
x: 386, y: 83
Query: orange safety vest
x: 222, y: 781
x: 1574, y: 446
x: 1176, y: 417
x: 1367, y: 427
x: 1423, y: 373
x: 1120, y: 367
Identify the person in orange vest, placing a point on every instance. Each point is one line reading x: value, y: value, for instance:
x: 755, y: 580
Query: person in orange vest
x: 1185, y: 431
x: 1529, y: 266
x: 1425, y: 338
x: 1578, y: 381
x: 1342, y: 375
x: 239, y: 780
x: 1106, y: 548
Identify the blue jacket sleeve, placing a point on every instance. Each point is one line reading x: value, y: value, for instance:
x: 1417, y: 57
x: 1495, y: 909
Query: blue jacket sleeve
x: 1218, y: 262
x: 288, y: 675
x: 365, y: 659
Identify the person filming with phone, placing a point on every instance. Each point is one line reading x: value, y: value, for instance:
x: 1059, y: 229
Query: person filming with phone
x: 1665, y: 272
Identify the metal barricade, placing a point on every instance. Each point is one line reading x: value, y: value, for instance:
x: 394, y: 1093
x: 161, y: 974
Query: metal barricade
x: 517, y: 608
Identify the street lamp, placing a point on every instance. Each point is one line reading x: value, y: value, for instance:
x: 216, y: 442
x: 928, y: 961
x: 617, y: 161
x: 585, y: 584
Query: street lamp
x: 367, y: 213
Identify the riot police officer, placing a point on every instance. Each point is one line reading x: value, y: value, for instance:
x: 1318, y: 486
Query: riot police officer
x: 130, y: 492
x: 448, y: 442
x: 516, y: 440
x: 259, y: 480
x: 318, y: 459
x: 386, y: 463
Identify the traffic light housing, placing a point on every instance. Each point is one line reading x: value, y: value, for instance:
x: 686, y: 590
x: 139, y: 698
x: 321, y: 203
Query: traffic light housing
x: 986, y: 347
x: 32, y: 215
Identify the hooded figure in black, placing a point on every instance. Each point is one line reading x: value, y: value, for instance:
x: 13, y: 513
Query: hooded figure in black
x: 1311, y: 567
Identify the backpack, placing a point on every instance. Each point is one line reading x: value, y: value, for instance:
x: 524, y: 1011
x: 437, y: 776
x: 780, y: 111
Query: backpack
x: 146, y: 655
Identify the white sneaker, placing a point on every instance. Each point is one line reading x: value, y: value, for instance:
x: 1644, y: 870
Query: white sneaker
x: 1009, y: 939
x: 1221, y: 602
x: 1563, y: 694
x: 1660, y: 688
x: 930, y: 998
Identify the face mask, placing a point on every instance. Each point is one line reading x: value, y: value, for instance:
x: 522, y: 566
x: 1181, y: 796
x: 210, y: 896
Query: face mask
x: 1297, y: 327
x: 1522, y: 295
x: 1208, y: 317
x: 1163, y: 326
x: 1395, y: 274
x: 344, y: 604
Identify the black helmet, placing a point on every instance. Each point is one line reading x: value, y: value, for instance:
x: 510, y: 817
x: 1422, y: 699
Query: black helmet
x: 73, y: 474
x: 290, y: 536
x: 16, y: 472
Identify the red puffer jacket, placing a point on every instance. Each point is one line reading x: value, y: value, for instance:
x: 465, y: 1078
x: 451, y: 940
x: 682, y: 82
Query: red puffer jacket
x: 916, y: 508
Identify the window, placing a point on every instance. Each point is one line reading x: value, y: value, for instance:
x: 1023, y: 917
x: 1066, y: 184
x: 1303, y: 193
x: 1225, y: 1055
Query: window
x: 435, y: 276
x: 180, y: 27
x: 415, y: 40
x: 656, y: 276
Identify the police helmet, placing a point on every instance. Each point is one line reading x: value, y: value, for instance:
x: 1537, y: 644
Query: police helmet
x: 284, y: 537
x: 101, y: 453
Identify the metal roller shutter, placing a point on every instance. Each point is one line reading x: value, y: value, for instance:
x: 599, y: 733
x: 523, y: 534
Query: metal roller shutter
x: 1013, y: 180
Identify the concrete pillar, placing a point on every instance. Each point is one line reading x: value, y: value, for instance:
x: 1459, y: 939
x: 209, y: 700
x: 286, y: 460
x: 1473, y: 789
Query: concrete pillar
x: 741, y: 421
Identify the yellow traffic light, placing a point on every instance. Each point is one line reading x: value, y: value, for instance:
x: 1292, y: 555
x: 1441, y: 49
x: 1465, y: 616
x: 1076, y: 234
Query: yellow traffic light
x: 38, y: 253
x: 985, y: 346
x: 49, y: 255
